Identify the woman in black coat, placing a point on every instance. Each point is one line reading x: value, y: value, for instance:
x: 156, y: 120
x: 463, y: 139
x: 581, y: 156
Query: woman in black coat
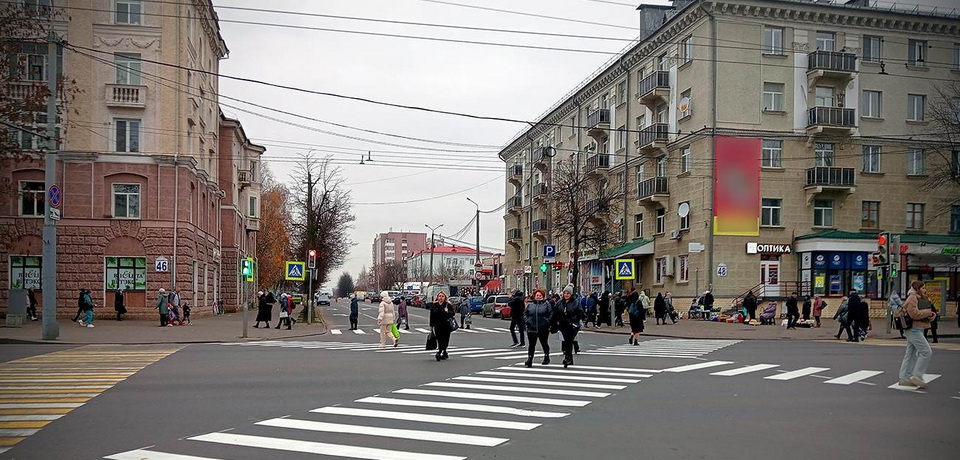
x: 441, y: 312
x: 118, y: 305
x: 265, y: 308
x: 636, y: 312
x: 750, y: 304
x: 604, y: 309
x: 660, y: 308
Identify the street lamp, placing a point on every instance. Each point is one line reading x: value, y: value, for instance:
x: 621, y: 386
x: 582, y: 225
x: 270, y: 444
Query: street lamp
x: 477, y: 262
x: 432, y: 231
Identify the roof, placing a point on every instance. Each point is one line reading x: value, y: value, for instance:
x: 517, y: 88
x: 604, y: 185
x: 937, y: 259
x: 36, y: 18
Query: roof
x: 837, y: 235
x: 464, y: 250
x: 632, y: 248
x: 930, y: 239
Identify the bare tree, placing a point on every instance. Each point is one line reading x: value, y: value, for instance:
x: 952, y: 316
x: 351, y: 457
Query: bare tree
x: 390, y: 275
x: 944, y: 151
x: 583, y: 207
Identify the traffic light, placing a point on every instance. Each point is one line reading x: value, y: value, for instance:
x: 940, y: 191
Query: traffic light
x: 247, y: 269
x: 543, y: 268
x: 312, y: 259
x: 883, y: 248
x: 558, y: 265
x: 894, y: 270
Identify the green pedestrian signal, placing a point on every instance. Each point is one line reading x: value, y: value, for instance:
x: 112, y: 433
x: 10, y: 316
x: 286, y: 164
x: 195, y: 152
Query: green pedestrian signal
x: 543, y: 268
x: 247, y: 269
x: 894, y: 270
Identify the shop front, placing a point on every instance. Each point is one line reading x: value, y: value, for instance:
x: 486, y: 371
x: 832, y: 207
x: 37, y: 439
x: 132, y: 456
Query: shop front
x: 834, y: 262
x: 640, y: 251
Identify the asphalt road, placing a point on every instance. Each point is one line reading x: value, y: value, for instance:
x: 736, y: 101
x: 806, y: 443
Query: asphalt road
x: 658, y: 400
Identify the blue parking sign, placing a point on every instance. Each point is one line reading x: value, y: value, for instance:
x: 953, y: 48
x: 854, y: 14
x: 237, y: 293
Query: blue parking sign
x: 549, y: 250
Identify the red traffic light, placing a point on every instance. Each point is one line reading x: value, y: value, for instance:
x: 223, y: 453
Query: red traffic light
x: 882, y: 239
x: 904, y: 248
x: 558, y: 265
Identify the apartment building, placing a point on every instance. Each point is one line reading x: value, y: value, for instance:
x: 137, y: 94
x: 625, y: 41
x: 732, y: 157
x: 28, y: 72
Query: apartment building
x: 444, y: 263
x: 751, y: 145
x: 397, y: 247
x: 159, y: 189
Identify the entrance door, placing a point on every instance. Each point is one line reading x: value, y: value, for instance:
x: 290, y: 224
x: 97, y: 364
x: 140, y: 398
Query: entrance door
x: 770, y: 277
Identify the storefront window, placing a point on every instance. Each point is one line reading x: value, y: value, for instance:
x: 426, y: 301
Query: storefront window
x: 835, y: 273
x: 25, y: 272
x: 127, y: 273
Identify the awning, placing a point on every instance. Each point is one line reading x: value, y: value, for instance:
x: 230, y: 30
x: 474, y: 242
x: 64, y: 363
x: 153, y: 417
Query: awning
x: 493, y: 285
x: 640, y: 247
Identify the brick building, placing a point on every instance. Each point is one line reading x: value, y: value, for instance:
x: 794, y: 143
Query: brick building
x: 397, y: 247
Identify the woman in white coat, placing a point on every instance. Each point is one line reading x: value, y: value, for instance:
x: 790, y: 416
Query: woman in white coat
x: 385, y: 319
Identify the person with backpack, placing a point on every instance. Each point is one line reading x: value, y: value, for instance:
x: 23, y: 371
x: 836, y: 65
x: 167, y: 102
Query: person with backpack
x: 163, y: 300
x: 920, y: 310
x: 818, y: 305
x: 636, y: 312
x: 87, y: 308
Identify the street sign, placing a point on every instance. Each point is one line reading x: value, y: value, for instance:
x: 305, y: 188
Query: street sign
x: 625, y: 269
x: 528, y: 269
x: 161, y: 265
x: 296, y: 271
x: 721, y: 269
x: 55, y: 197
x: 54, y: 214
x: 549, y: 251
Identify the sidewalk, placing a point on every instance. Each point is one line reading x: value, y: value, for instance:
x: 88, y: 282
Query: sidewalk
x: 225, y: 328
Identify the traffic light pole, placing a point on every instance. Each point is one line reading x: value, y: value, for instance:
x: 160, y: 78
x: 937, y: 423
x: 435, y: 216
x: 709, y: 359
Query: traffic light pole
x: 243, y: 300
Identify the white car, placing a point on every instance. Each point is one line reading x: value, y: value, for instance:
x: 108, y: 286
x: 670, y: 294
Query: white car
x: 323, y: 299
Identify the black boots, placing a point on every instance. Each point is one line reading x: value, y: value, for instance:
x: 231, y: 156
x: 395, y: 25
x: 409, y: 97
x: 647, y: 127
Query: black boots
x: 529, y: 362
x: 546, y: 360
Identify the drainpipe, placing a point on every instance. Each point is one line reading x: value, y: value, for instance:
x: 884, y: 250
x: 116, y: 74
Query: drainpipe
x: 713, y: 144
x: 176, y: 173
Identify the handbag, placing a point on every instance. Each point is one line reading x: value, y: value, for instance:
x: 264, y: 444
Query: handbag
x: 394, y: 330
x: 284, y: 314
x: 431, y: 341
x: 453, y: 324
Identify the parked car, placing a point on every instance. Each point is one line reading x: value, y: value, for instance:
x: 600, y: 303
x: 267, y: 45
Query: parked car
x: 505, y: 312
x: 476, y: 303
x: 323, y: 299
x: 455, y: 301
x: 371, y: 296
x: 494, y: 305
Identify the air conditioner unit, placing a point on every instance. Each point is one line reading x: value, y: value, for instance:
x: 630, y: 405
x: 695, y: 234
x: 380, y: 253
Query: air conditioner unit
x: 675, y: 235
x: 668, y: 266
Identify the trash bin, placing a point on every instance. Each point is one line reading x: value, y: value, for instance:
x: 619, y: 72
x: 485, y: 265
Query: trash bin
x: 16, y: 308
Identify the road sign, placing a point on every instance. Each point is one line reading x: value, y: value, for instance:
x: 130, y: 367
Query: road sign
x: 54, y: 214
x: 528, y: 269
x: 549, y: 251
x: 161, y: 265
x: 625, y: 269
x: 296, y: 271
x: 55, y: 197
x: 721, y: 269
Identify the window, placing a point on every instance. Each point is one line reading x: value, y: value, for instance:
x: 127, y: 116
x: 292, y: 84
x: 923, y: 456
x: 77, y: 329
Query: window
x: 772, y: 40
x: 638, y: 226
x: 32, y: 198
x: 824, y: 96
x: 26, y: 272
x: 641, y: 122
x: 915, y: 216
x: 128, y: 135
x: 663, y: 62
x: 126, y: 200
x: 659, y: 270
x: 915, y: 162
x: 641, y: 175
x: 621, y: 137
x: 823, y: 154
x: 872, y: 48
x: 684, y: 104
x: 662, y: 166
x: 823, y: 213
x: 253, y: 173
x: 128, y: 68
x: 870, y: 214
x: 127, y: 273
x: 770, y: 212
x: 661, y: 220
x: 685, y: 160
x: 773, y: 97
x: 915, y: 107
x: 870, y: 105
x: 917, y: 53
x: 955, y: 164
x: 771, y: 153
x: 662, y: 113
x: 826, y: 41
x: 871, y: 158
x: 686, y: 50
x: 639, y: 77
x: 683, y: 267
x: 956, y: 56
x: 621, y: 92
x: 955, y: 219
x: 36, y: 7
x: 685, y: 220
x: 128, y: 11
x: 253, y: 207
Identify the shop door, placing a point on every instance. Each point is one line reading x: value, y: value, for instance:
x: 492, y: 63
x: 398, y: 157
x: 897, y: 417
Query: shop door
x: 770, y: 277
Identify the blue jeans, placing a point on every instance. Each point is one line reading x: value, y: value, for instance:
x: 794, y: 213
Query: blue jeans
x: 917, y: 356
x: 89, y: 314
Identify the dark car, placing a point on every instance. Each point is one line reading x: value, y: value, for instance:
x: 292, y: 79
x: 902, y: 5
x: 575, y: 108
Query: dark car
x: 494, y: 304
x: 476, y: 303
x: 455, y: 301
x: 371, y: 296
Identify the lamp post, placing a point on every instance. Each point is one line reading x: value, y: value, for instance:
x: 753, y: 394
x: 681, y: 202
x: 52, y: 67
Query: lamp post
x: 477, y: 262
x: 432, y: 231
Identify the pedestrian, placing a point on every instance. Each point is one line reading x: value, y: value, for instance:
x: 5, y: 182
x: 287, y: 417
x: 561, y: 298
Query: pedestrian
x: 76, y: 318
x: 441, y: 316
x: 793, y: 311
x: 386, y: 318
x: 918, y: 352
x: 671, y: 312
x: 539, y: 318
x: 118, y: 305
x: 807, y: 306
x: 644, y: 303
x: 591, y: 312
x: 569, y: 318
x: 265, y: 303
x: 893, y: 304
x: 464, y: 312
x: 88, y: 308
x: 354, y: 311
x: 818, y: 305
x: 708, y: 301
x: 845, y: 319
x: 403, y: 316
x: 933, y: 325
x: 619, y: 306
x: 660, y: 309
x: 174, y: 305
x: 636, y: 313
x: 285, y: 302
x: 517, y: 324
x: 32, y: 304
x: 163, y: 301
x: 750, y: 304
x: 604, y: 309
x: 186, y: 312
x: 854, y: 314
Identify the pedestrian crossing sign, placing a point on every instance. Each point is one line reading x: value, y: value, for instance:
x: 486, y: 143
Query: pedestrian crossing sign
x: 625, y: 269
x: 296, y: 271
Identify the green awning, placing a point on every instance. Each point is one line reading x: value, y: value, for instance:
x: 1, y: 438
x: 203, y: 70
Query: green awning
x: 930, y: 239
x: 837, y: 235
x: 633, y: 248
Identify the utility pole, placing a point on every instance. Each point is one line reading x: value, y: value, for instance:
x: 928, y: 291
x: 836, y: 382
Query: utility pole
x: 50, y: 329
x: 432, y: 245
x: 477, y: 264
x: 310, y: 233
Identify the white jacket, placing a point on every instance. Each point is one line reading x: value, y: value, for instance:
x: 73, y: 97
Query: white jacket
x: 386, y: 315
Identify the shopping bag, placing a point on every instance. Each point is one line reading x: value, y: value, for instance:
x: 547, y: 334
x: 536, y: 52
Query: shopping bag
x: 284, y: 314
x: 431, y: 341
x: 453, y: 324
x: 394, y: 330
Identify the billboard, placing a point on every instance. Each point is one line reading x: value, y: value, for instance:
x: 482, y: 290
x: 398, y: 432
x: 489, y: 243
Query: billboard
x: 736, y: 196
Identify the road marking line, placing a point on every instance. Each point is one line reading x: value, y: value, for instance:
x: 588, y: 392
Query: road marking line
x: 336, y: 331
x: 745, y: 370
x: 60, y: 380
x: 494, y: 397
x: 558, y: 377
x: 691, y: 367
x: 434, y: 351
x: 502, y: 329
x: 489, y: 353
x: 463, y: 351
x: 463, y: 406
x: 926, y: 378
x: 408, y: 331
x: 797, y: 373
x: 40, y: 406
x: 516, y: 354
x: 358, y: 331
x: 853, y: 377
x: 602, y: 368
x: 428, y: 418
x: 554, y: 370
x: 17, y: 433
x: 9, y: 442
x: 25, y: 418
x: 425, y: 331
x: 50, y: 387
x: 471, y: 331
x: 598, y: 386
x: 549, y: 391
x: 419, y: 435
x: 486, y: 330
x: 400, y: 348
x: 336, y: 450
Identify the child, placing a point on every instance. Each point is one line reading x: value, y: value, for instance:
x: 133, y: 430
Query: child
x: 186, y: 312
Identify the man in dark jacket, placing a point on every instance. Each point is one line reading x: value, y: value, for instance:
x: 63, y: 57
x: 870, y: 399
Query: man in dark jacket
x: 750, y: 304
x: 793, y: 311
x: 354, y: 311
x: 570, y: 315
x: 858, y: 315
x: 517, y: 306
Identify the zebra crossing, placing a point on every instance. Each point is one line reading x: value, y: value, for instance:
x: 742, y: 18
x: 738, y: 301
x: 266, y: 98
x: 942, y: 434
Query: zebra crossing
x: 38, y: 390
x: 665, y: 348
x: 440, y: 418
x: 422, y: 330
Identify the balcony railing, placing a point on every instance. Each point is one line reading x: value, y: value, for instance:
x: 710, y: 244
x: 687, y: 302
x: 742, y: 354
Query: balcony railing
x: 126, y: 95
x: 24, y: 89
x: 598, y: 161
x: 516, y: 170
x: 244, y: 178
x: 598, y: 117
x: 595, y: 206
x: 540, y: 191
x: 253, y: 224
x: 830, y: 176
x: 841, y: 117
x: 657, y: 132
x: 539, y: 225
x: 658, y: 79
x: 514, y: 234
x: 514, y: 202
x: 652, y: 186
x: 832, y: 61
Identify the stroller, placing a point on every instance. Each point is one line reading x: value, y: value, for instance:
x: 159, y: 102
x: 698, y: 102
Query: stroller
x: 173, y: 316
x: 769, y: 313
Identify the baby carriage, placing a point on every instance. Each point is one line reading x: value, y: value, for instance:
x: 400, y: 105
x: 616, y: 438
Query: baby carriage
x: 769, y: 313
x: 173, y: 316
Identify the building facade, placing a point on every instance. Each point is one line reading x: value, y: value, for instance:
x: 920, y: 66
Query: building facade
x: 444, y: 263
x: 397, y: 247
x: 145, y: 188
x: 751, y: 145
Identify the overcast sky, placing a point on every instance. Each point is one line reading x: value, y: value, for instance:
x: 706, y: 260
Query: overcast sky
x: 474, y: 79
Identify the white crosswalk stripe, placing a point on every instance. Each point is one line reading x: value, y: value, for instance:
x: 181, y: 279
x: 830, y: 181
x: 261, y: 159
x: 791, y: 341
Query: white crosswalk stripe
x: 420, y: 435
x: 428, y: 418
x: 665, y: 348
x: 853, y: 377
x: 485, y: 408
x: 797, y: 373
x: 927, y: 378
x: 310, y: 447
x: 421, y: 330
x: 745, y: 370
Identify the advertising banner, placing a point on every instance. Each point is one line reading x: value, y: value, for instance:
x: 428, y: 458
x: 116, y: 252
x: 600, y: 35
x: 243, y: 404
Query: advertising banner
x: 736, y: 175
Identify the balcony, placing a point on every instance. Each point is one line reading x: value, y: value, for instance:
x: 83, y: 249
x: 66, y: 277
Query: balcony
x: 539, y: 227
x: 514, y: 237
x: 540, y: 192
x: 653, y: 139
x: 653, y: 89
x: 595, y: 163
x: 126, y: 96
x: 595, y: 209
x: 653, y: 190
x: 25, y: 89
x: 836, y: 120
x: 515, y: 174
x: 253, y: 224
x: 827, y: 179
x: 244, y: 178
x: 598, y: 124
x: 514, y: 204
x: 830, y: 64
x: 542, y: 156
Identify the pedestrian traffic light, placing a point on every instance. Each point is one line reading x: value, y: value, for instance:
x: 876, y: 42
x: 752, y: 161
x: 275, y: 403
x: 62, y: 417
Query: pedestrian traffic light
x: 883, y: 248
x: 312, y: 258
x: 543, y: 268
x: 247, y: 269
x: 558, y: 265
x: 894, y: 270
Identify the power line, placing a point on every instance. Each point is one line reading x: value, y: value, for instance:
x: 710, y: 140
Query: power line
x: 430, y: 198
x: 534, y: 15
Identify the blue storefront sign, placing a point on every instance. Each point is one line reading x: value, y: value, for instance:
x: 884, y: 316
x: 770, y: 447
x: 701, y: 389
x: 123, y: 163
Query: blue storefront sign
x: 820, y: 260
x: 837, y: 260
x: 858, y: 261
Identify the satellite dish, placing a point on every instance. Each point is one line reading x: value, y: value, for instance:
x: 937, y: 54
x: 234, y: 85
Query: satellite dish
x: 683, y: 210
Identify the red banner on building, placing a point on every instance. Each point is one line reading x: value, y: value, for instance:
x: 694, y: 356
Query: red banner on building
x: 736, y: 176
